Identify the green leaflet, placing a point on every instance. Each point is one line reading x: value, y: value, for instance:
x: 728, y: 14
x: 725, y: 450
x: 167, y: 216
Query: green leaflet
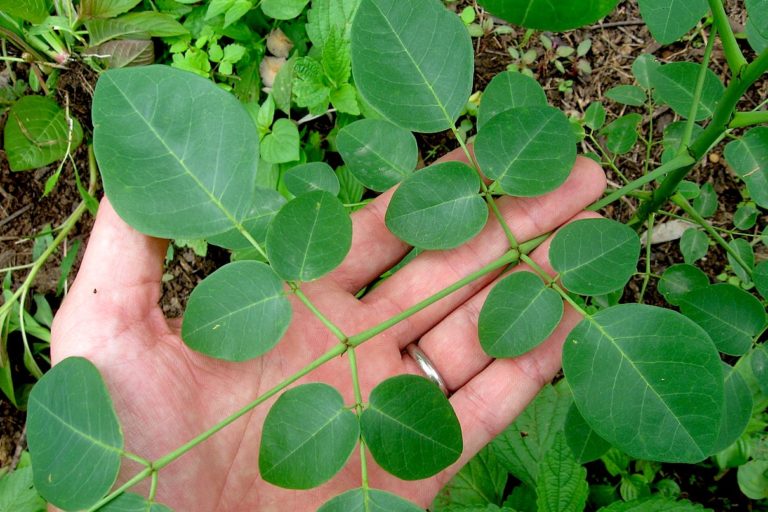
x: 378, y: 153
x: 529, y: 151
x: 76, y: 443
x: 748, y: 157
x: 308, y: 436
x: 584, y: 442
x: 309, y: 237
x: 265, y: 205
x: 357, y: 500
x: 506, y: 91
x: 237, y: 313
x: 546, y: 15
x: 675, y: 85
x: 283, y: 9
x: 760, y: 275
x: 669, y: 20
x: 479, y: 483
x: 412, y: 61
x: 680, y: 279
x: 594, y: 116
x: 159, y: 181
x: 631, y: 95
x: 306, y: 178
x: 562, y: 482
x: 130, y: 502
x: 694, y: 245
x: 622, y: 133
x: 738, y: 409
x: 282, y: 144
x: 410, y: 428
x: 648, y: 380
x: 747, y: 254
x: 438, y: 207
x: 38, y: 133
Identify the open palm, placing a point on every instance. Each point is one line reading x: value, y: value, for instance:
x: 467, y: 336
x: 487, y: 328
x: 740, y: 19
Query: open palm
x: 165, y: 393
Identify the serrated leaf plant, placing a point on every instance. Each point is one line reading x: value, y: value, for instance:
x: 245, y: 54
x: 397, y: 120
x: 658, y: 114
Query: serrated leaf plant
x: 179, y: 158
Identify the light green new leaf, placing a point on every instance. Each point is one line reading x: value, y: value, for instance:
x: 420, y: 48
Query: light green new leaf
x: 595, y: 256
x: 519, y: 313
x: 266, y: 203
x: 282, y: 145
x: 738, y: 409
x: 283, y: 9
x: 622, y: 133
x: 675, y: 85
x: 748, y: 157
x: 344, y: 99
x: 378, y: 153
x: 584, y: 442
x: 509, y: 90
x: 694, y: 245
x: 438, y: 207
x: 680, y: 279
x: 73, y: 434
x: 523, y: 445
x: 34, y: 11
x: 309, y: 237
x: 177, y: 154
x: 747, y: 253
x: 562, y: 482
x: 237, y: 313
x: 529, y: 151
x: 669, y: 20
x: 137, y: 25
x: 654, y: 504
x: 105, y: 8
x: 18, y: 494
x: 309, y: 177
x: 731, y: 316
x: 326, y: 16
x: 547, y: 15
x: 308, y: 436
x: 753, y: 479
x: 631, y: 95
x: 479, y: 483
x: 648, y: 380
x: 413, y: 62
x: 130, y: 502
x: 372, y: 500
x: 335, y: 59
x: 411, y: 428
x: 38, y: 132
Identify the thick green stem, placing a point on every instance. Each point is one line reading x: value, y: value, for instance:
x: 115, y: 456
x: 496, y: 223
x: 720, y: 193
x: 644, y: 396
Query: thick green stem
x: 745, y: 119
x: 733, y: 55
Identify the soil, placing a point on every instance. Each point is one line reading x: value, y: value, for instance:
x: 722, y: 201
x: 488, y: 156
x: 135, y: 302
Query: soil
x: 616, y: 43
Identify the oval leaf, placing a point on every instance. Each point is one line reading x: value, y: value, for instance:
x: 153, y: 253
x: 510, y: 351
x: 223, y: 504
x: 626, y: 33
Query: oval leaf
x: 509, y: 90
x: 675, y: 85
x: 310, y: 177
x: 647, y: 380
x: 584, y: 442
x: 308, y: 436
x: 731, y: 317
x: 669, y: 20
x: 76, y: 443
x: 413, y: 62
x: 748, y: 157
x: 438, y: 207
x: 379, y: 153
x: 237, y: 313
x: 680, y: 279
x: 309, y: 237
x: 265, y: 205
x: 519, y: 313
x: 595, y: 256
x: 631, y: 95
x: 177, y: 154
x: 371, y: 500
x: 546, y: 15
x: 529, y: 151
x: 738, y: 409
x: 410, y: 428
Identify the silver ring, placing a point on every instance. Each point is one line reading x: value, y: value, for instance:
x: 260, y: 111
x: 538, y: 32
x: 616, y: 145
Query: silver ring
x: 426, y: 366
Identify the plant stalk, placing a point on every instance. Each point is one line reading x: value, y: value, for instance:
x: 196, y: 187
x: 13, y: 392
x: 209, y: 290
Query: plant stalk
x: 745, y: 119
x: 691, y: 122
x: 733, y: 55
x: 358, y: 411
x: 324, y: 319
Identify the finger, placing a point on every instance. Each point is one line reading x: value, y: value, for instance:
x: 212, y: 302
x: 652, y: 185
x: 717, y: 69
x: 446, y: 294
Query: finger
x: 374, y: 248
x: 430, y: 272
x: 453, y: 345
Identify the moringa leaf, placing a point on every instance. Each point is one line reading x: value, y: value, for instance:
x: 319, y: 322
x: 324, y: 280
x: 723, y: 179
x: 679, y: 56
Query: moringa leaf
x: 680, y: 279
x: 546, y: 15
x: 310, y: 177
x: 265, y: 205
x: 748, y: 157
x: 675, y: 84
x: 584, y: 442
x: 509, y: 90
x: 370, y: 500
x: 669, y: 20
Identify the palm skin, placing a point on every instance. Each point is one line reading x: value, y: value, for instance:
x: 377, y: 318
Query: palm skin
x: 166, y: 394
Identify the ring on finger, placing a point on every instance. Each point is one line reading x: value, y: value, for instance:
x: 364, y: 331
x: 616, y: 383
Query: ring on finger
x: 426, y: 366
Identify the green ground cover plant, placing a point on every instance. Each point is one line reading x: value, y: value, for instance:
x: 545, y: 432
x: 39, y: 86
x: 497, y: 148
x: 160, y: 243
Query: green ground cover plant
x: 186, y: 152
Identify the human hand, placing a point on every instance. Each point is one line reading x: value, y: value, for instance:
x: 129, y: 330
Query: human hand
x: 165, y: 393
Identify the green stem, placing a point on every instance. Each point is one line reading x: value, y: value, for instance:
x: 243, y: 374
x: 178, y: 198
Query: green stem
x: 359, y: 411
x: 553, y: 284
x: 697, y: 92
x: 138, y: 477
x: 733, y: 55
x: 330, y: 325
x: 744, y: 119
x: 153, y: 486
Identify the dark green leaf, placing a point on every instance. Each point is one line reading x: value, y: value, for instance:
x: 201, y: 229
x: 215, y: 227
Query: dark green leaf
x: 757, y: 40
x: 545, y: 15
x: 743, y: 249
x: 675, y: 85
x: 680, y: 279
x: 310, y: 177
x: 237, y: 313
x: 17, y: 493
x: 412, y: 61
x: 584, y: 442
x: 307, y: 438
x: 595, y: 256
x: 647, y: 380
x: 706, y: 203
x: 438, y: 207
x: 309, y: 237
x: 759, y: 364
x: 480, y: 482
x: 76, y: 443
x: 529, y: 151
x: 130, y: 502
x: 282, y: 145
x: 753, y: 479
x: 410, y: 428
x: 594, y: 117
x: 731, y: 317
x: 562, y: 482
x: 654, y: 504
x: 177, y: 154
x: 694, y: 245
x: 265, y: 205
x: 669, y: 20
x: 283, y: 9
x: 748, y: 157
x: 628, y: 95
x: 758, y: 14
x: 358, y: 500
x: 760, y: 275
x: 105, y: 8
x: 509, y: 90
x: 519, y: 313
x: 37, y: 132
x: 34, y: 11
x: 738, y: 409
x: 137, y: 25
x: 622, y: 133
x: 378, y: 153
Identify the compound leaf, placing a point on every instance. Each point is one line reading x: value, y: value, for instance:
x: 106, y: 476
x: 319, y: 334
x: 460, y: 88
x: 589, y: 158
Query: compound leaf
x: 412, y: 61
x: 177, y: 154
x: 669, y: 20
x: 73, y: 435
x: 411, y: 428
x: 509, y: 90
x: 680, y: 279
x: 519, y: 313
x: 562, y: 482
x: 738, y: 409
x: 265, y: 205
x: 372, y: 500
x: 675, y: 84
x: 529, y: 151
x: 647, y: 380
x: 237, y: 313
x: 547, y: 15
x: 584, y: 442
x: 130, y: 502
x: 306, y: 178
x: 595, y: 256
x: 748, y: 157
x: 308, y: 436
x: 309, y: 236
x: 438, y: 207
x: 378, y: 153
